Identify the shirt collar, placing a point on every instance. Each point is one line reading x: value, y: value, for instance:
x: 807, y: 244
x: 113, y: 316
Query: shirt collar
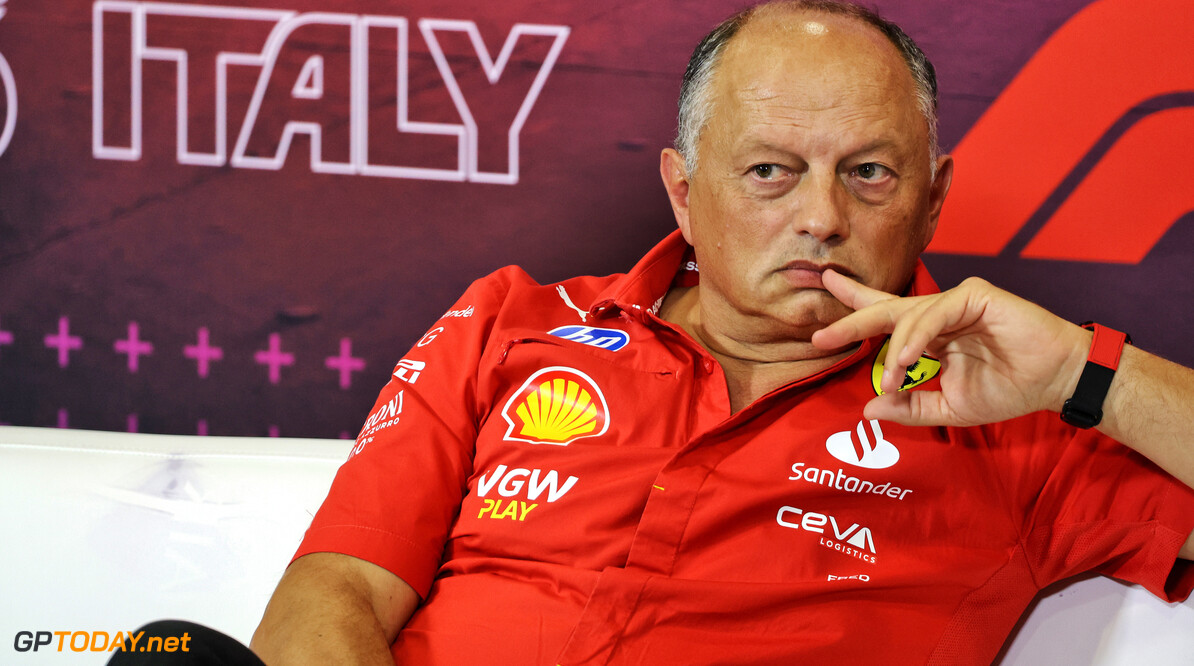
x: 644, y: 287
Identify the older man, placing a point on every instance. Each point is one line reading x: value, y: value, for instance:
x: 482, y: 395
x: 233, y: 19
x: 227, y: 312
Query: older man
x: 737, y: 452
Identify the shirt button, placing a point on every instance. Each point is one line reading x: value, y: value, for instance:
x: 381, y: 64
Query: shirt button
x: 709, y: 366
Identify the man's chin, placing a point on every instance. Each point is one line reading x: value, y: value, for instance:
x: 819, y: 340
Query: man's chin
x: 816, y: 305
x: 810, y: 310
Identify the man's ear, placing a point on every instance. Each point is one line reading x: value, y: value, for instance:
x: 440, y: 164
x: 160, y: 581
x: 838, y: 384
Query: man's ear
x: 674, y: 173
x: 938, y: 189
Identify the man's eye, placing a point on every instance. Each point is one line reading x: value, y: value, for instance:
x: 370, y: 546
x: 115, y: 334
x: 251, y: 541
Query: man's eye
x: 765, y: 171
x: 870, y: 171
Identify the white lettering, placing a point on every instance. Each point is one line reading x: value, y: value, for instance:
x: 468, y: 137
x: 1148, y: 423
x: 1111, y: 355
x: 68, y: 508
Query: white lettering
x: 549, y: 483
x: 390, y: 410
x: 585, y: 337
x: 815, y: 522
x: 838, y: 480
x: 309, y: 84
x: 408, y: 370
x: 383, y: 417
x: 510, y: 483
x: 582, y: 336
x: 484, y: 485
x: 779, y: 517
x: 10, y: 99
x: 863, y: 540
x: 332, y: 91
x: 840, y: 534
x: 430, y: 337
x: 509, y: 486
x: 331, y: 152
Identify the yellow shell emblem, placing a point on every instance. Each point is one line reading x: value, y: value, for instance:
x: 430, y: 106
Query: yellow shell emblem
x: 556, y: 406
x: 924, y: 369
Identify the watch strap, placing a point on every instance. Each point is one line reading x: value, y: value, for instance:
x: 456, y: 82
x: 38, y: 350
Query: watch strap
x: 1085, y: 408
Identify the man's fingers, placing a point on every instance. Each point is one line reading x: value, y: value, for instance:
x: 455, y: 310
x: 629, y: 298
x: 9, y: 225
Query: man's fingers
x: 935, y: 317
x: 910, y: 337
x: 913, y: 322
x: 856, y: 326
x: 853, y: 327
x: 912, y: 408
x: 877, y: 318
x: 852, y: 292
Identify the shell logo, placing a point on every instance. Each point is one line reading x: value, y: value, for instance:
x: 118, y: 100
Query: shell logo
x: 556, y: 405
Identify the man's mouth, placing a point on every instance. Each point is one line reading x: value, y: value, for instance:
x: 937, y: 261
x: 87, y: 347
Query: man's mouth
x: 807, y: 274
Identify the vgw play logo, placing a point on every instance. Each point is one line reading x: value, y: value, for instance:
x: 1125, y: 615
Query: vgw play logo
x: 10, y: 95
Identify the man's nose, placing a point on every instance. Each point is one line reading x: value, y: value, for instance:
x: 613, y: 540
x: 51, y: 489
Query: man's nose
x: 820, y: 208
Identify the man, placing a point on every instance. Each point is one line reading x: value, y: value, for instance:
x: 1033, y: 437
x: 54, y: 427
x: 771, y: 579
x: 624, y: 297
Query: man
x: 710, y: 459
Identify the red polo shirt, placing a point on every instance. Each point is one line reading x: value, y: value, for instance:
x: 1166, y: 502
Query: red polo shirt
x: 557, y: 472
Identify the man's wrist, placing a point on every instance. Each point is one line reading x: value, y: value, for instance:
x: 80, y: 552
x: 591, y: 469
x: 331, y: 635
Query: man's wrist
x: 1084, y: 408
x: 1070, y: 370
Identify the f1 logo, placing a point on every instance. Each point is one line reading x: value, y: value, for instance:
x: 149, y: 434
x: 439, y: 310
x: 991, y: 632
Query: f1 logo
x: 1102, y: 103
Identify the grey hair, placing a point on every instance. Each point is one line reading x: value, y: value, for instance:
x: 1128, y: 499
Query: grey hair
x: 696, y: 103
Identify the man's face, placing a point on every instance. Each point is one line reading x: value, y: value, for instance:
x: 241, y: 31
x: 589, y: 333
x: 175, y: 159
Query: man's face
x: 815, y: 156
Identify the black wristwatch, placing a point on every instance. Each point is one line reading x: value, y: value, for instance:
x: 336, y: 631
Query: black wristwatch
x: 1085, y: 408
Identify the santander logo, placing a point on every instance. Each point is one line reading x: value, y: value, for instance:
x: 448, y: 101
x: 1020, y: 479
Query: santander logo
x: 863, y: 447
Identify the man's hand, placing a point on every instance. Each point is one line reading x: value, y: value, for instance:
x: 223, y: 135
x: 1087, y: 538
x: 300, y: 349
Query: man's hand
x: 1001, y: 356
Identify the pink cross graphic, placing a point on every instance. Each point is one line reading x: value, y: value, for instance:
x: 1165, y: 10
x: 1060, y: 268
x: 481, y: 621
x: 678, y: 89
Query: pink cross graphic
x: 201, y: 428
x: 134, y: 346
x: 5, y: 338
x: 345, y: 363
x: 273, y: 431
x: 274, y: 357
x: 63, y: 418
x: 132, y: 423
x: 203, y: 352
x: 64, y: 342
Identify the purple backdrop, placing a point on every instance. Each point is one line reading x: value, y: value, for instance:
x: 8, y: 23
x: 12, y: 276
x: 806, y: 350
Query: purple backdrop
x: 248, y: 248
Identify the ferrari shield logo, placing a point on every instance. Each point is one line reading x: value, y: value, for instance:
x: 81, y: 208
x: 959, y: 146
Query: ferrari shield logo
x: 924, y: 369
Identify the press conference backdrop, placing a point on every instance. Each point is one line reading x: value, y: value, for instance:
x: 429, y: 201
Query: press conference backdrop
x: 234, y: 218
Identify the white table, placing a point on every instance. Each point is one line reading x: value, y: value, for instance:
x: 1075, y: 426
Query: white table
x: 106, y: 531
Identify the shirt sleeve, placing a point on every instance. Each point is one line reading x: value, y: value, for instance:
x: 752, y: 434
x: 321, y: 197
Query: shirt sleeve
x: 1090, y: 503
x: 394, y: 500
